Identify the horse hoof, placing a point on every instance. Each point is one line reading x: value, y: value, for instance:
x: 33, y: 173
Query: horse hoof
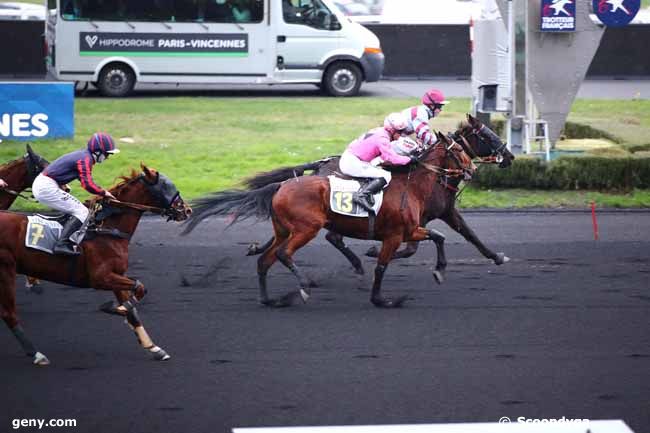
x: 253, y: 249
x: 40, y: 359
x: 389, y: 303
x: 501, y: 259
x: 34, y: 288
x: 312, y: 284
x: 112, y: 307
x: 438, y: 276
x: 359, y: 271
x: 304, y: 295
x: 285, y: 301
x: 159, y: 354
x: 372, y: 252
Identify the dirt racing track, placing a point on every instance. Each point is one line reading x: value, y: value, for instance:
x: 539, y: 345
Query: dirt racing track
x: 560, y: 331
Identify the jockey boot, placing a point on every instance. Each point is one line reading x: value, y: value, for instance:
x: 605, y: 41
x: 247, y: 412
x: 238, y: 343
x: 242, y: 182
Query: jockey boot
x: 363, y: 197
x: 64, y: 245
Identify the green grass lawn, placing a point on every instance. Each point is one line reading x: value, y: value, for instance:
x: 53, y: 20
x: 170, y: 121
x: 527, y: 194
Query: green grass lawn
x: 206, y: 144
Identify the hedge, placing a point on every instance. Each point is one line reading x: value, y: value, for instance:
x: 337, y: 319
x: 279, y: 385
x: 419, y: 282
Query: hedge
x: 568, y: 173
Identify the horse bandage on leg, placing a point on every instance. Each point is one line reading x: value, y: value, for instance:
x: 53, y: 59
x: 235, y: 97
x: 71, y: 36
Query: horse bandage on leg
x: 138, y: 290
x: 27, y: 345
x: 133, y: 320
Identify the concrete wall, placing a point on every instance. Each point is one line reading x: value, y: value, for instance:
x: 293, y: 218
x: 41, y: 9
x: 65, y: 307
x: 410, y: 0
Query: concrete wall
x: 443, y: 51
x: 22, y: 50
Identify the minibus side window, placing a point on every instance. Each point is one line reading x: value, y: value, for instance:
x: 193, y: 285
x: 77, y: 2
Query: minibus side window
x: 312, y: 13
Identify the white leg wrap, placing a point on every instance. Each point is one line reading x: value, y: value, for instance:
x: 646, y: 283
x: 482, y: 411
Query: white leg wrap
x: 40, y: 359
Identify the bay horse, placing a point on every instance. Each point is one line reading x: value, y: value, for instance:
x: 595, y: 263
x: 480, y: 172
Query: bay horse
x: 478, y: 141
x: 299, y: 209
x: 103, y: 261
x: 19, y: 175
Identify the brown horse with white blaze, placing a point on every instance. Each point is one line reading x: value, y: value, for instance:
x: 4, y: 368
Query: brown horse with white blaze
x: 103, y: 261
x: 299, y: 209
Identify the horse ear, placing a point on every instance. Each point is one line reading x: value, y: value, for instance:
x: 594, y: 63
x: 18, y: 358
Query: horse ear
x: 30, y: 152
x: 148, y: 173
x: 472, y: 120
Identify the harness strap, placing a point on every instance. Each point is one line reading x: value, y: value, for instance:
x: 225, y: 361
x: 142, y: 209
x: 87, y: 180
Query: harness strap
x: 111, y: 232
x: 17, y: 194
x: 450, y: 172
x: 135, y: 206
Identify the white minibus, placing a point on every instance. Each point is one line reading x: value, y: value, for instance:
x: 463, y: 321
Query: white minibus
x: 115, y: 43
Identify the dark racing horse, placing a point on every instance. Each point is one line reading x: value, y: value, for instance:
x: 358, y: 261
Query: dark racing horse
x: 103, y: 261
x: 19, y: 175
x: 299, y: 209
x: 478, y: 140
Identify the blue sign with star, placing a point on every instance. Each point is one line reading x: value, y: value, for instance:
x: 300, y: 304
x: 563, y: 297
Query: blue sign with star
x: 558, y: 16
x: 616, y: 13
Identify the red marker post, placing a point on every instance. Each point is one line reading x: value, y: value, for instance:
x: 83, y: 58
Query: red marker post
x: 593, y: 220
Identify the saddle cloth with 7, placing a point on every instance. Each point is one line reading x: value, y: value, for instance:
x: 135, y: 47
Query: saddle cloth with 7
x: 42, y: 234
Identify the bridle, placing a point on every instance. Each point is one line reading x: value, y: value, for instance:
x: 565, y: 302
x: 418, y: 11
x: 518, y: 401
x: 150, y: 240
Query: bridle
x: 447, y: 175
x: 166, y: 205
x: 496, y: 154
x: 34, y: 168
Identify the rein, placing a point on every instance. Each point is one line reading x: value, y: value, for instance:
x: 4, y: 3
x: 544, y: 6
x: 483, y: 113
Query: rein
x: 17, y: 194
x: 138, y: 207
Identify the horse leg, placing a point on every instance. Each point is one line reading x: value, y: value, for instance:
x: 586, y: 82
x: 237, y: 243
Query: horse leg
x: 422, y: 233
x: 33, y: 285
x: 408, y: 251
x: 388, y: 247
x: 263, y: 264
x: 456, y: 222
x: 128, y: 293
x: 255, y: 249
x: 286, y: 250
x: 337, y: 240
x: 8, y: 313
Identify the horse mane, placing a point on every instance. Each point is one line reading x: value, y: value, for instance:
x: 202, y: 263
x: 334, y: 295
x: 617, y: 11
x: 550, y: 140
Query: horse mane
x: 10, y: 164
x: 124, y: 181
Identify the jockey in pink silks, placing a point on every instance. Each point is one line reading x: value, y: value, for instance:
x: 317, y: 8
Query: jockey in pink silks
x: 378, y: 142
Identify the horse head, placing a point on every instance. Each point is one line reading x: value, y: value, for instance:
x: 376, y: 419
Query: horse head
x: 448, y: 157
x: 479, y: 140
x: 35, y: 164
x: 154, y: 190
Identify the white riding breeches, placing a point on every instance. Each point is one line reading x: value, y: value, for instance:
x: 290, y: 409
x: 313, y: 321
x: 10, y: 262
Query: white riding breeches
x: 351, y: 165
x: 47, y: 192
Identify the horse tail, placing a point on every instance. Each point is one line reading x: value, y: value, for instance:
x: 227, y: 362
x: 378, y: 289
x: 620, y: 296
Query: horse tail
x: 236, y: 203
x: 281, y: 174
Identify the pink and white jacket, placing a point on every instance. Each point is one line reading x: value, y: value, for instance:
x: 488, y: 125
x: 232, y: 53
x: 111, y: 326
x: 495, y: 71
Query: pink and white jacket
x: 418, y: 117
x: 373, y: 143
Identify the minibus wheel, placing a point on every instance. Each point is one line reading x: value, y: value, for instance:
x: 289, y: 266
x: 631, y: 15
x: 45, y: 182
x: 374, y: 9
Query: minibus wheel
x: 115, y: 80
x: 342, y: 79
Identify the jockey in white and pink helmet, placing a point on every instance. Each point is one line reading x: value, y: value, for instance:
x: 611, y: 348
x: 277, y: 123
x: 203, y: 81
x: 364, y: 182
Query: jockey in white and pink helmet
x: 418, y: 116
x: 375, y: 144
